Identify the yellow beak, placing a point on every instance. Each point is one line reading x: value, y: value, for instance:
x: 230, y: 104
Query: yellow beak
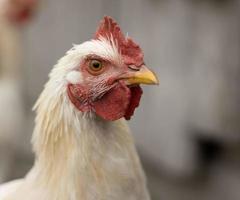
x: 143, y: 76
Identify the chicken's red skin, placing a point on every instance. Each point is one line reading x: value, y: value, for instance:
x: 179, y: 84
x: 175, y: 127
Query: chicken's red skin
x: 120, y: 101
x: 131, y: 52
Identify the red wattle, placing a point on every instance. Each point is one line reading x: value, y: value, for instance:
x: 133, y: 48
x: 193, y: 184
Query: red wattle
x: 136, y: 93
x: 114, y: 103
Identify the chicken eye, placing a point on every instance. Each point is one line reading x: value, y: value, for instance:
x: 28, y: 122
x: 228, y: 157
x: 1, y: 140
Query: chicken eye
x: 95, y: 66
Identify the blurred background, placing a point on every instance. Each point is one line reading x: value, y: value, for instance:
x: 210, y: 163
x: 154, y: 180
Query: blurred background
x: 187, y: 130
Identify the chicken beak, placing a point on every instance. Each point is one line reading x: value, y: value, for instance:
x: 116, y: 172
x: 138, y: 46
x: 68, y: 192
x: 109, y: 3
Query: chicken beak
x: 143, y: 76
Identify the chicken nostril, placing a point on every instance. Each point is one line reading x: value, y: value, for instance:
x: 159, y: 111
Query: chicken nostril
x: 133, y: 67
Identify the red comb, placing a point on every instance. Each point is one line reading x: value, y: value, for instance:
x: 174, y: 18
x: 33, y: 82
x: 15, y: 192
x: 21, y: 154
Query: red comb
x: 131, y: 52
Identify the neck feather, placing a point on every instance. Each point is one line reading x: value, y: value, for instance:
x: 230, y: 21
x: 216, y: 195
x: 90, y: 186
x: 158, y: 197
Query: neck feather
x: 72, y: 145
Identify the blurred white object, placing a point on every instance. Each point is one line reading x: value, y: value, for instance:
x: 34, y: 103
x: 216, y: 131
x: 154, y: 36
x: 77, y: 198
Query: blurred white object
x: 11, y: 114
x: 12, y: 14
x: 11, y: 121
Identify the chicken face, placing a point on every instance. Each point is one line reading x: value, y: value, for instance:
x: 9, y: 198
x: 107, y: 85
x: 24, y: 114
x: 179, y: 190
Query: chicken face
x: 107, y: 79
x: 18, y: 11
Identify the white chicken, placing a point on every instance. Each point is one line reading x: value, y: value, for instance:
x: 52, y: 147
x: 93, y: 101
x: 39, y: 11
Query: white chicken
x: 84, y: 149
x: 12, y: 14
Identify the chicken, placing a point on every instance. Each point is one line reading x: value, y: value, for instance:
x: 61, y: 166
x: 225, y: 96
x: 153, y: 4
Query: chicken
x: 12, y: 14
x: 84, y: 149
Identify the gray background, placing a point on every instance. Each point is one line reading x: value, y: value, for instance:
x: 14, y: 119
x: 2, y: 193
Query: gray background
x: 194, y: 48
